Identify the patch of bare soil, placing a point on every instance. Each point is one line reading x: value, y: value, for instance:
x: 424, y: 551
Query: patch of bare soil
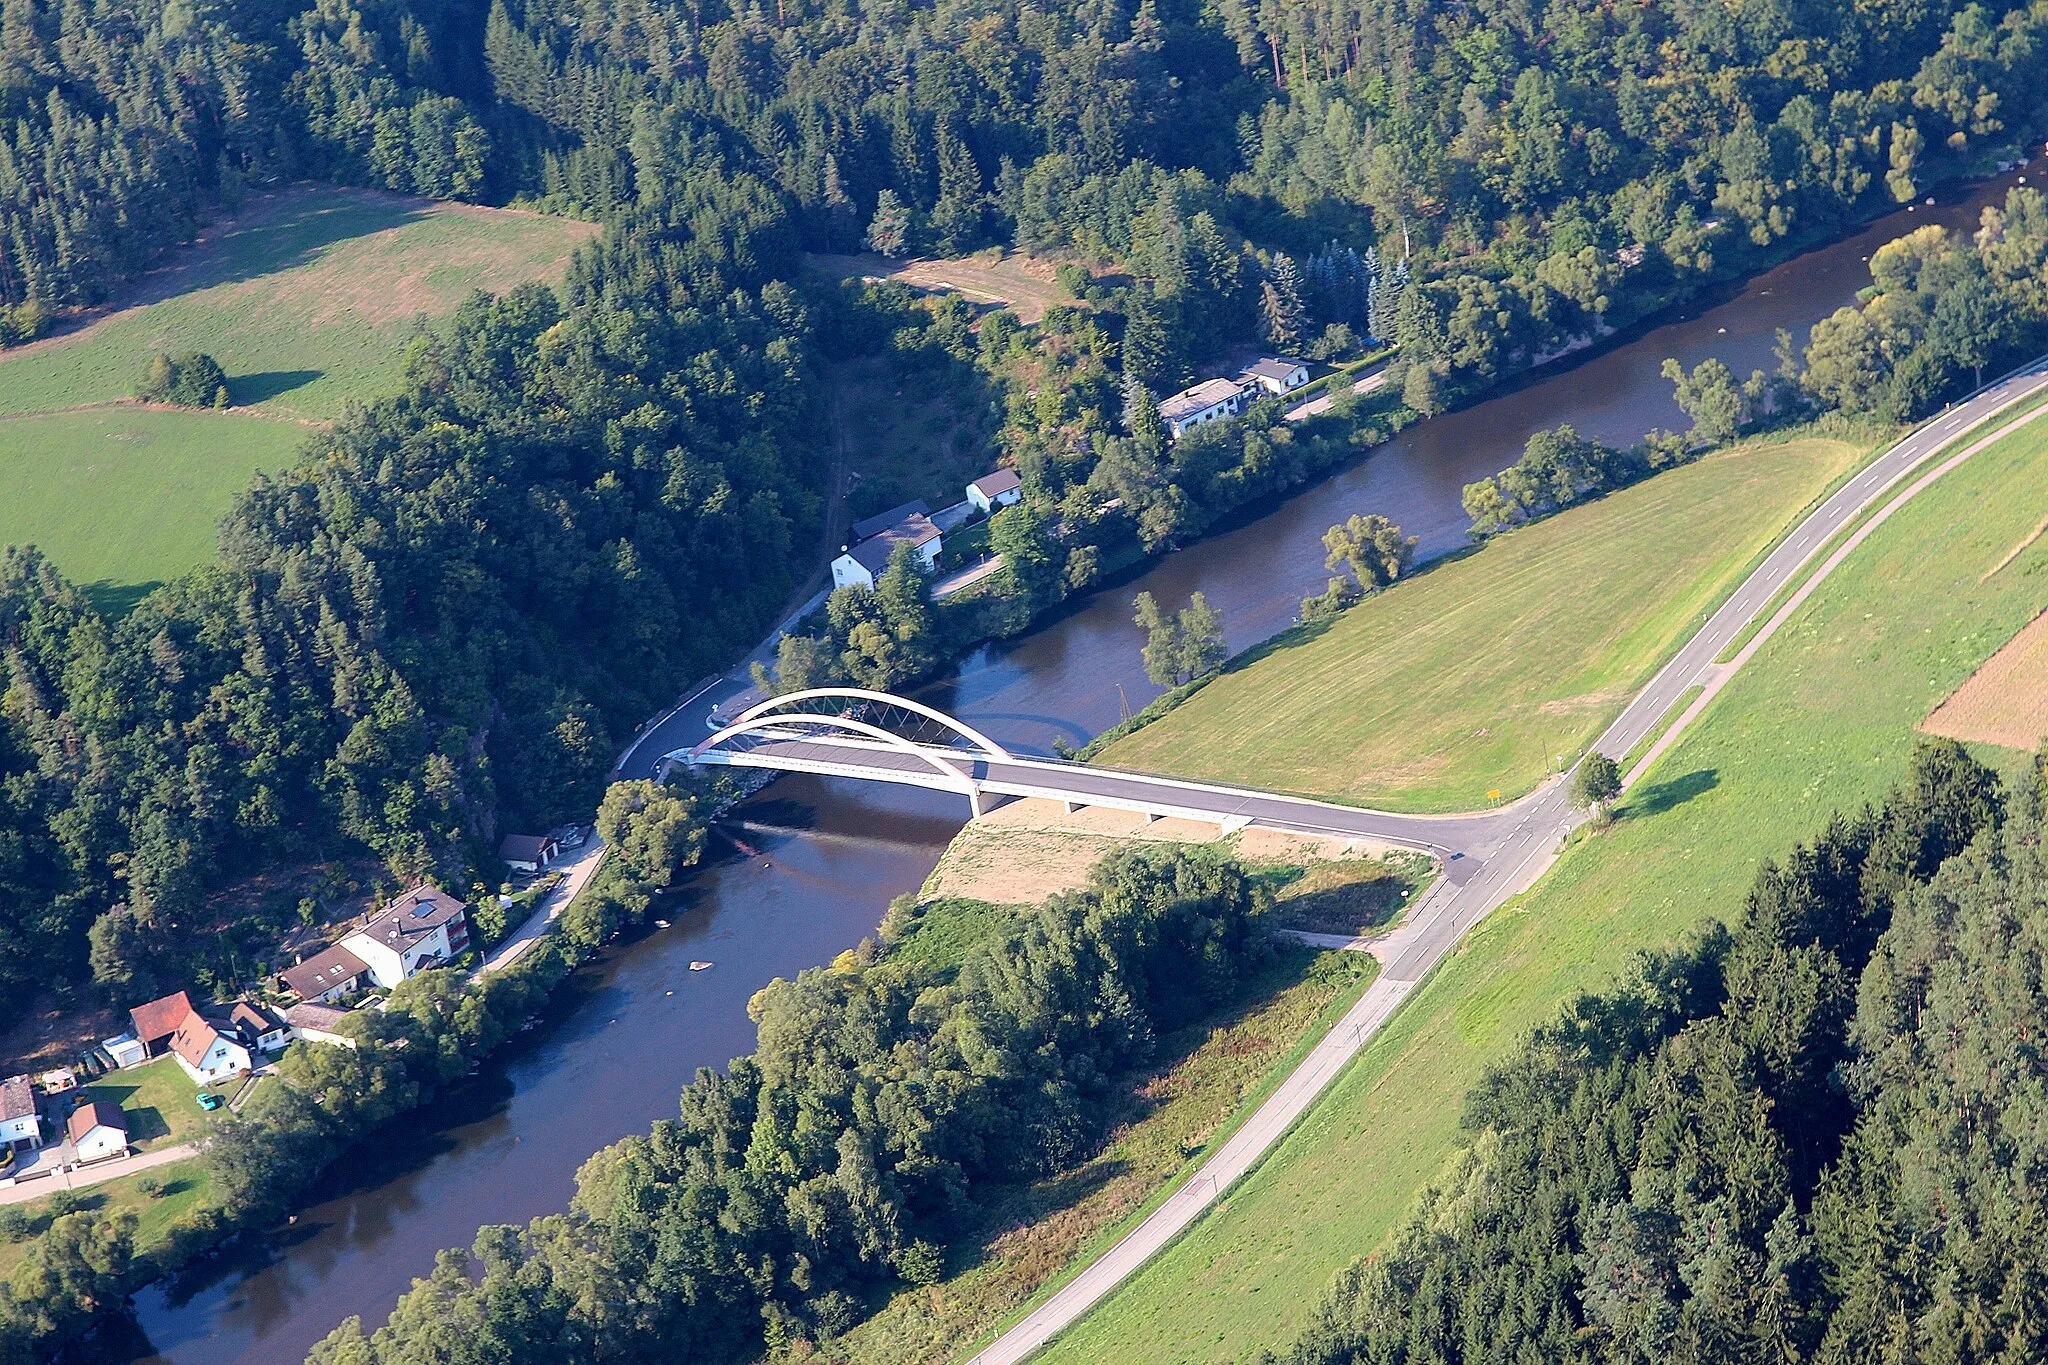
x: 50, y: 1033
x: 1026, y: 850
x: 1023, y: 284
x: 2005, y: 702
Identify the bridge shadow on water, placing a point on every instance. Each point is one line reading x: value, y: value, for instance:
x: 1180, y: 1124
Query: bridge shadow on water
x: 1664, y: 796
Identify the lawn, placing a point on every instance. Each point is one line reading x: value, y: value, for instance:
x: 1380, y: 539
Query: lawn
x: 1473, y: 676
x: 181, y: 1188
x: 1821, y: 720
x: 160, y: 1100
x: 306, y: 299
x: 123, y: 497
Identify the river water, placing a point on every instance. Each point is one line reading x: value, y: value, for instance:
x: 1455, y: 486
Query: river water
x: 807, y: 867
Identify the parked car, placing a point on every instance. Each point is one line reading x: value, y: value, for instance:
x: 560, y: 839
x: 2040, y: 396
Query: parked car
x: 210, y: 1101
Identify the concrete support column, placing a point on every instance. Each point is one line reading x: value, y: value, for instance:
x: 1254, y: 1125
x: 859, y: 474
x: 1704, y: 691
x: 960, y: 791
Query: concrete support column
x: 974, y: 799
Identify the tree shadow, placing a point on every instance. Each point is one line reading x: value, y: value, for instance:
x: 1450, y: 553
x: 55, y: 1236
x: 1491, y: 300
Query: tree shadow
x: 1666, y: 795
x: 115, y: 600
x: 267, y: 384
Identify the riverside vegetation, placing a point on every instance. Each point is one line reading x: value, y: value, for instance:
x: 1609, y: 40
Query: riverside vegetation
x: 1821, y: 720
x: 436, y: 624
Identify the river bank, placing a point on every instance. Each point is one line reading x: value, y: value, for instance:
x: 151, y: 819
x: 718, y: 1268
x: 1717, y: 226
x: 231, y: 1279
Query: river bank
x: 824, y: 858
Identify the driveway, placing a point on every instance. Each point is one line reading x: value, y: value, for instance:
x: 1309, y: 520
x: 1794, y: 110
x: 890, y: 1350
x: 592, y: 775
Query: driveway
x: 81, y: 1177
x: 576, y: 874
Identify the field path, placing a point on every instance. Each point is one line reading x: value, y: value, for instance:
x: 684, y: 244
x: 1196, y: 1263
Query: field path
x: 1459, y: 901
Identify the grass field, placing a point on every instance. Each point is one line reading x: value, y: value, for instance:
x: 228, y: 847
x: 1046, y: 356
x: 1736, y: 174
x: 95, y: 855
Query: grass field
x: 306, y: 299
x: 1472, y: 677
x: 1821, y: 720
x: 123, y: 497
x: 160, y: 1100
x: 181, y: 1187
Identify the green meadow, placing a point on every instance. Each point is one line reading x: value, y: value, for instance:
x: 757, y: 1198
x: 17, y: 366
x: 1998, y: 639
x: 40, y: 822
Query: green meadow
x: 306, y: 298
x: 1474, y: 676
x: 1821, y: 720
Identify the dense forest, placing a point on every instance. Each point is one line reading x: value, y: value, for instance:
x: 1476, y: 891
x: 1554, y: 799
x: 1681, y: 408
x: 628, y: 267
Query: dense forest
x: 888, y: 1092
x: 1811, y: 1136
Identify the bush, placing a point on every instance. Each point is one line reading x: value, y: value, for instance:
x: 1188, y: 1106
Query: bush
x: 191, y: 380
x: 15, y: 1223
x: 148, y: 1186
x: 1075, y: 279
x: 22, y: 323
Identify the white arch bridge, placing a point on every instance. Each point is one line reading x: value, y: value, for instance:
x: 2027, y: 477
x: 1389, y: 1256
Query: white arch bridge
x: 879, y: 737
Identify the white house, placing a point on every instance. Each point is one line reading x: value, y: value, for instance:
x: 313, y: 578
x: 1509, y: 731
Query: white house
x: 863, y: 562
x: 317, y: 1023
x: 207, y: 1054
x: 528, y: 853
x: 425, y: 927
x: 98, y: 1131
x: 1209, y: 401
x: 1276, y: 374
x: 991, y: 491
x: 19, y: 1126
x: 125, y: 1049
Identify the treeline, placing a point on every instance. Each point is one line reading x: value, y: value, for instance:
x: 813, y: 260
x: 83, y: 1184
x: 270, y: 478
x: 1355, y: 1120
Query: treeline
x: 434, y: 629
x: 1803, y: 1138
x: 887, y: 1093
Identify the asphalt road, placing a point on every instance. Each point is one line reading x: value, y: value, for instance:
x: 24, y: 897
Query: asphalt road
x: 1527, y: 847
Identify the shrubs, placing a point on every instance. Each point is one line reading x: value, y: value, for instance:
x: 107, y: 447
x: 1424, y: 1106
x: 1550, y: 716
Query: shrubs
x: 23, y: 322
x: 191, y: 379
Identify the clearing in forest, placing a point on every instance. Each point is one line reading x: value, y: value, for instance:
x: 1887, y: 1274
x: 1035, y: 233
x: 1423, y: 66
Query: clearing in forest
x: 1821, y: 720
x: 1475, y: 675
x: 1023, y: 284
x: 306, y: 298
x: 2006, y: 701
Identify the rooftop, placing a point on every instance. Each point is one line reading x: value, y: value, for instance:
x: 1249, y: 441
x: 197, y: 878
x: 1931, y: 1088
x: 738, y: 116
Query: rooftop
x: 873, y: 553
x: 161, y: 1017
x: 882, y: 521
x: 17, y: 1098
x: 1204, y: 395
x: 1274, y: 366
x: 996, y: 484
x: 194, y: 1038
x: 254, y: 1019
x: 323, y: 971
x: 411, y: 917
x: 525, y: 848
x: 311, y: 1014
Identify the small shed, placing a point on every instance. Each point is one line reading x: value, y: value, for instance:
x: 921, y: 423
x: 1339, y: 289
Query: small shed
x: 125, y: 1050
x: 528, y: 853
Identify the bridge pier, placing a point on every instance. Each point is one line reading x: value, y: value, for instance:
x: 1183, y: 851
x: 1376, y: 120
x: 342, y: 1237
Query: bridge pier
x: 974, y: 800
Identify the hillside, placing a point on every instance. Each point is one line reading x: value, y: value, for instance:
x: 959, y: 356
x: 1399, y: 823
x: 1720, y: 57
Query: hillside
x: 305, y: 298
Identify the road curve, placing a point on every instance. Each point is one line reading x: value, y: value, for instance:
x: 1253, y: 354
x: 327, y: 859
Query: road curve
x: 1436, y: 924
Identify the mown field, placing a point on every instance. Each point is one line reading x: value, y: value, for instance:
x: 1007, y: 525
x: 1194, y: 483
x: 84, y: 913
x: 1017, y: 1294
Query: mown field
x: 1472, y: 677
x: 1821, y: 720
x: 306, y: 299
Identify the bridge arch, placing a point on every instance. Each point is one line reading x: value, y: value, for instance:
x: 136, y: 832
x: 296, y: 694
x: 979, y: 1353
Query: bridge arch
x: 768, y: 725
x: 776, y: 708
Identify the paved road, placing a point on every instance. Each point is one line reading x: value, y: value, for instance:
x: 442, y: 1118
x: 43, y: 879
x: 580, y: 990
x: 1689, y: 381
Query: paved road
x: 1322, y: 402
x: 82, y: 1176
x: 1520, y: 856
x: 576, y: 870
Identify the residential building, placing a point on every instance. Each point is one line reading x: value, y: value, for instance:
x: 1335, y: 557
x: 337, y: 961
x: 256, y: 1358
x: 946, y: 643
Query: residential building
x: 528, y: 853
x: 20, y: 1126
x: 208, y: 1053
x: 155, y: 1022
x: 317, y: 1023
x: 259, y: 1026
x: 1275, y: 374
x: 327, y: 975
x: 863, y: 562
x: 98, y: 1132
x: 425, y: 927
x: 991, y: 491
x: 1209, y: 401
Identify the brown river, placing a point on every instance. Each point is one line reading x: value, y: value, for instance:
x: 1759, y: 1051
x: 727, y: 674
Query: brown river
x: 805, y: 868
